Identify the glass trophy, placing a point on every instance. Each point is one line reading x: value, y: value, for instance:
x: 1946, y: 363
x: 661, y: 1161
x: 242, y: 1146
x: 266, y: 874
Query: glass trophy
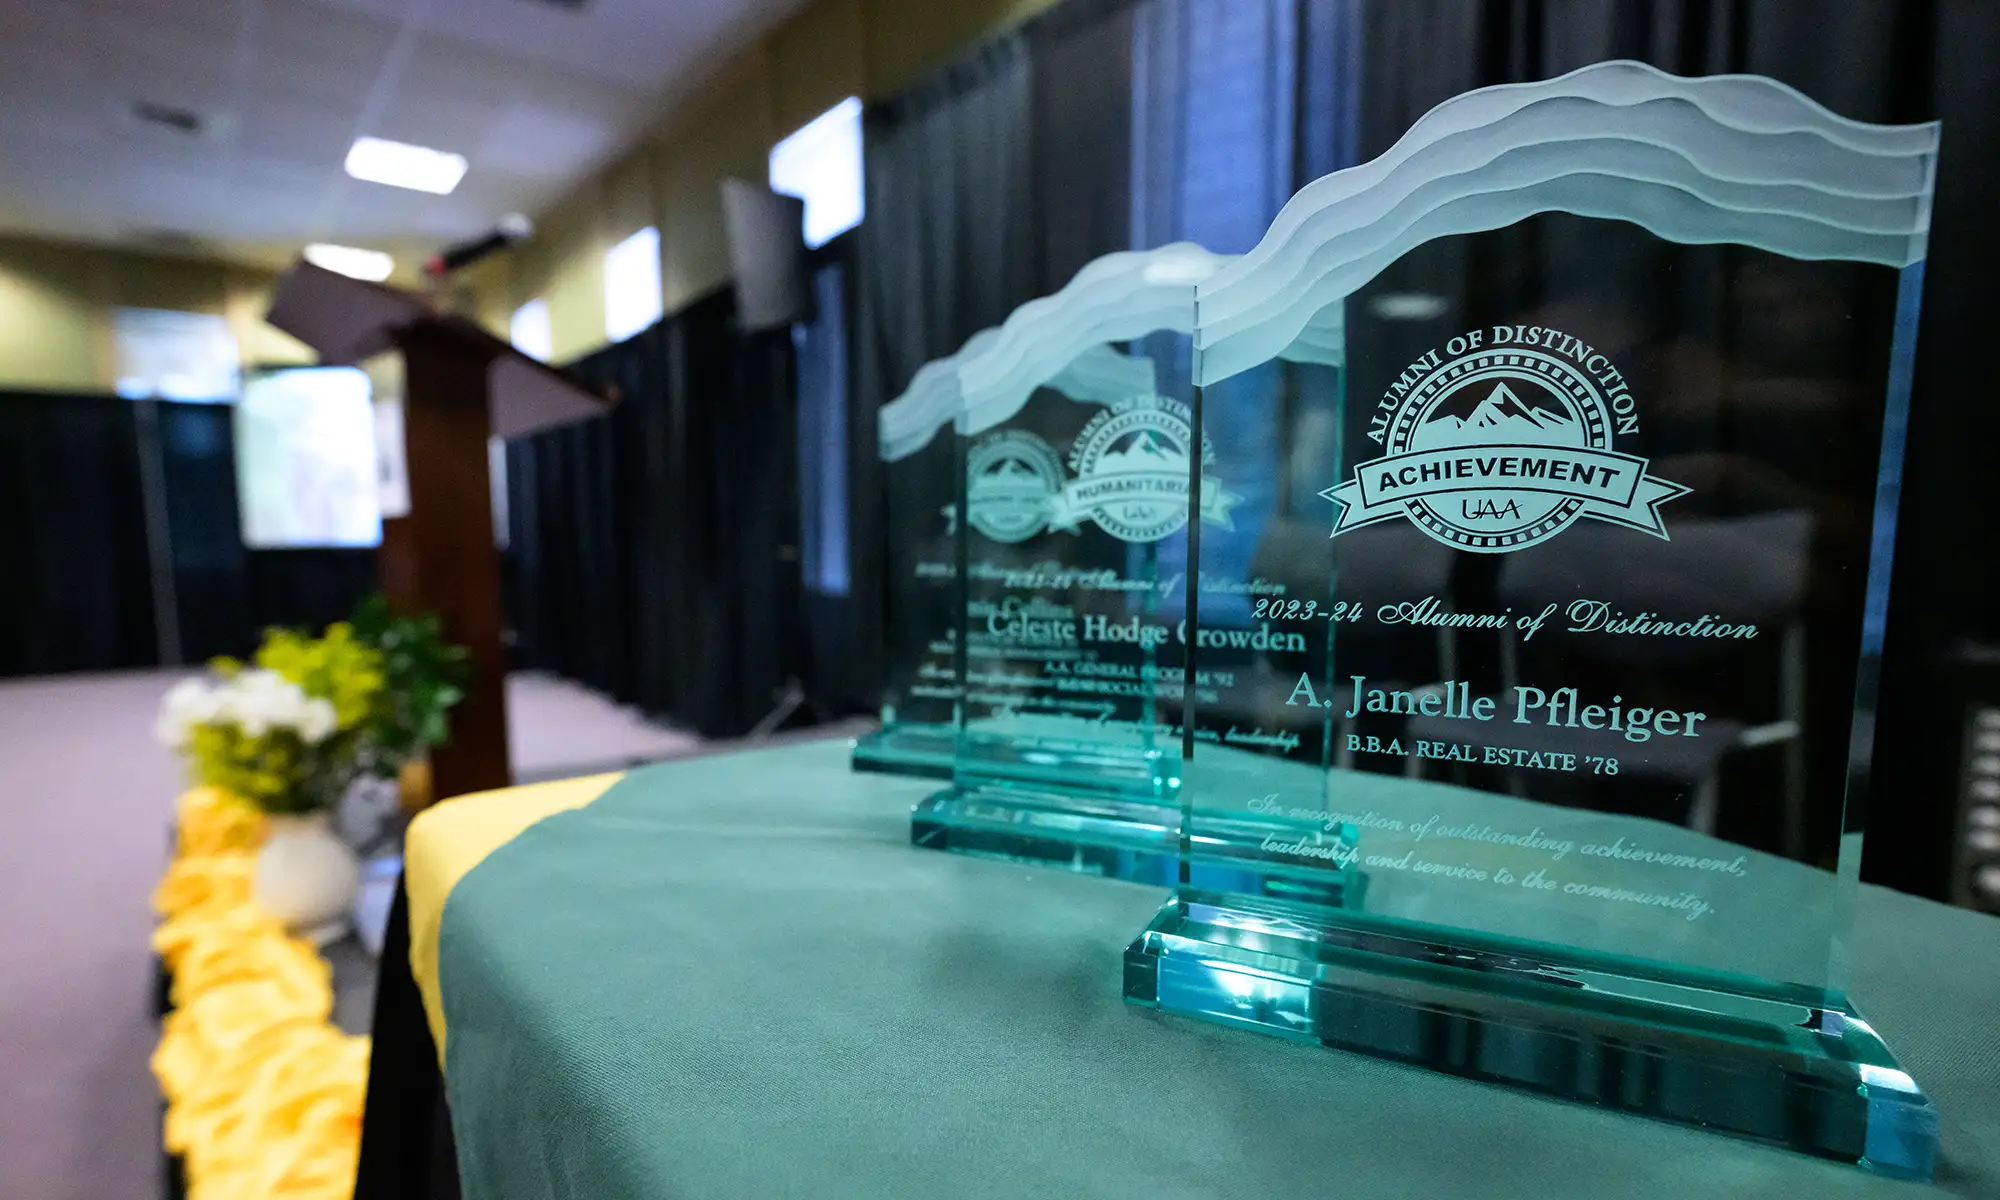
x: 1558, y: 626
x: 1076, y: 446
x: 919, y: 469
x: 1072, y: 436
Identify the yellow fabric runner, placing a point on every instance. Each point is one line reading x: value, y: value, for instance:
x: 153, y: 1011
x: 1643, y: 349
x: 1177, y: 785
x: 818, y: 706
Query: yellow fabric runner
x: 264, y: 1094
x: 449, y: 839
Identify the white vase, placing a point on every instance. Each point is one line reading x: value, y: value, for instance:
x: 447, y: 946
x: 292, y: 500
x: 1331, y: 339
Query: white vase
x: 307, y: 877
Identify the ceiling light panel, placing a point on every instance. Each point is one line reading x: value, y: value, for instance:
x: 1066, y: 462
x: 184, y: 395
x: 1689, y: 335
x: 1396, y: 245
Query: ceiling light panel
x: 351, y: 261
x: 398, y: 164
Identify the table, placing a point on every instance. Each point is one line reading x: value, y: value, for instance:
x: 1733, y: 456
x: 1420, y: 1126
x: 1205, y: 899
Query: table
x: 733, y: 976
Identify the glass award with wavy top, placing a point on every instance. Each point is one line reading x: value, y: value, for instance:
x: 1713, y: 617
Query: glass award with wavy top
x: 1554, y: 642
x: 920, y: 692
x: 1072, y: 429
x: 1078, y: 451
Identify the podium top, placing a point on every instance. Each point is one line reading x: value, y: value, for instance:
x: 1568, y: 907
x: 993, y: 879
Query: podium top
x: 346, y: 320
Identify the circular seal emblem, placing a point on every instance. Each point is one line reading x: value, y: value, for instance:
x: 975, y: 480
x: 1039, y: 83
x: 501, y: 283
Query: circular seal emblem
x: 1010, y: 479
x: 1519, y: 397
x: 1498, y: 448
x: 1131, y: 465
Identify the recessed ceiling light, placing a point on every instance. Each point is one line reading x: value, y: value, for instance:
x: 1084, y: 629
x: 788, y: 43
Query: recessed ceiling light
x: 398, y: 164
x: 351, y: 261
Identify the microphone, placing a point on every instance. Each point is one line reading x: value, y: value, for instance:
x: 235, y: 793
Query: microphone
x: 512, y: 228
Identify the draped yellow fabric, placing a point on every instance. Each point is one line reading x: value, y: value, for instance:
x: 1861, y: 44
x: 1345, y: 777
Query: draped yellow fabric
x: 264, y: 1095
x: 449, y: 839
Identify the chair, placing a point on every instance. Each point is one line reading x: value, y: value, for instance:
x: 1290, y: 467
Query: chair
x: 1741, y: 570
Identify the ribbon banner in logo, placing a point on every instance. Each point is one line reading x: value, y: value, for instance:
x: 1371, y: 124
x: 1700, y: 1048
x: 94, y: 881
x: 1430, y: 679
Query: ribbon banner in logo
x: 1082, y: 499
x: 1613, y: 487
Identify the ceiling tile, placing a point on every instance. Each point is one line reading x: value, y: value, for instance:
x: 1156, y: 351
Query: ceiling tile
x: 535, y: 96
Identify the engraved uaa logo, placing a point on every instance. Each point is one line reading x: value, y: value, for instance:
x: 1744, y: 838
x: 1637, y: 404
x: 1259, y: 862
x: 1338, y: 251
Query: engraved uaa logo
x: 1503, y: 447
x: 1010, y: 478
x: 1132, y: 465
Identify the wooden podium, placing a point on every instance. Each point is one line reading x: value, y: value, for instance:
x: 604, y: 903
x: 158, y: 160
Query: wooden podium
x: 461, y: 386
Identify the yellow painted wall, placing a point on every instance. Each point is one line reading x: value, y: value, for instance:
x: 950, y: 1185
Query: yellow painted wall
x: 246, y: 298
x: 53, y: 330
x: 829, y: 50
x: 57, y: 301
x: 817, y: 59
x: 728, y: 132
x: 908, y: 38
x: 570, y: 244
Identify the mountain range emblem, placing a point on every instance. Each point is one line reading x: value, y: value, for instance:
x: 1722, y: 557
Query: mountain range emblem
x: 1132, y: 463
x: 1501, y: 417
x: 1497, y: 449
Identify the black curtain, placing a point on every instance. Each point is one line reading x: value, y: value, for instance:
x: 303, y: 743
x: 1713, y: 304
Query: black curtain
x: 225, y: 595
x: 823, y: 393
x: 306, y: 588
x: 567, y: 568
x: 1947, y: 561
x: 653, y: 551
x: 77, y: 592
x: 84, y: 578
x: 210, y: 566
x: 989, y: 183
x: 740, y: 422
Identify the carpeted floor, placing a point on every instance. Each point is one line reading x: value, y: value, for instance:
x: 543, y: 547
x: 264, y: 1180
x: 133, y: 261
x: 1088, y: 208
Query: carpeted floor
x: 85, y: 797
x: 556, y: 729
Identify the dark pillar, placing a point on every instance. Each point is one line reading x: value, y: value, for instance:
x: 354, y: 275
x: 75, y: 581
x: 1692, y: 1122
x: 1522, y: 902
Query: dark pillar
x: 441, y: 558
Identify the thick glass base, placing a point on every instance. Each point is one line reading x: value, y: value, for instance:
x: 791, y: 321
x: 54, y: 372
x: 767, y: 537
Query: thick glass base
x: 907, y: 748
x: 1065, y: 756
x: 1793, y: 1070
x: 1109, y: 835
x: 930, y: 751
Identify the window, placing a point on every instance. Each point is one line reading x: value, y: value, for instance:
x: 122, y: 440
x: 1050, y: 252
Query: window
x: 530, y: 332
x: 174, y: 355
x: 632, y: 298
x: 821, y: 165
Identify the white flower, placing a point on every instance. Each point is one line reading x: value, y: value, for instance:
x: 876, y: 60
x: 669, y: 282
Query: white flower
x: 269, y: 700
x: 189, y: 703
x: 317, y: 721
x: 256, y: 702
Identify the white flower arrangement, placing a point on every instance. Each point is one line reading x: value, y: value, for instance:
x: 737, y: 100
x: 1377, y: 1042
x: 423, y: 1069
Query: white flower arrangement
x: 254, y: 701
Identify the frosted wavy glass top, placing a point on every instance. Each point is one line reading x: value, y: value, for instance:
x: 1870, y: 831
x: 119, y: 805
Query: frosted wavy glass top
x: 906, y: 424
x: 1102, y: 375
x: 1735, y: 158
x: 1722, y: 159
x: 1112, y: 299
x: 1060, y: 341
x: 1099, y: 375
x: 1117, y: 297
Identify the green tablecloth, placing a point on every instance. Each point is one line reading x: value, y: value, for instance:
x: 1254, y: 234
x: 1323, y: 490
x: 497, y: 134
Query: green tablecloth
x: 734, y: 977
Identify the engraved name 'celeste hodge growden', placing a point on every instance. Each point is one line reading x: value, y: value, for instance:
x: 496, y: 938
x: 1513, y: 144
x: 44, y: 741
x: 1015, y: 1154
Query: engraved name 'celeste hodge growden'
x: 1501, y: 439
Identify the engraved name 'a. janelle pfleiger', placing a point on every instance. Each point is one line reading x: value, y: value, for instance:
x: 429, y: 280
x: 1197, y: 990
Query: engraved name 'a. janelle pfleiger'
x: 1502, y: 439
x: 1562, y: 707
